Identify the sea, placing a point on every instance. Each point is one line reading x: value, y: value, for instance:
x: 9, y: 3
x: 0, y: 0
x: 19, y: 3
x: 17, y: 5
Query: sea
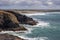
x: 47, y: 28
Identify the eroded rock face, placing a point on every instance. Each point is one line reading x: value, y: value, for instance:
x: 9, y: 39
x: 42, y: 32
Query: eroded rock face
x: 23, y: 19
x: 9, y: 37
x: 8, y: 21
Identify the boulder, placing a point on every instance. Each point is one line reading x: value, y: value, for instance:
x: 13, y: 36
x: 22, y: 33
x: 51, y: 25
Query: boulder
x: 23, y: 19
x: 9, y: 37
x: 9, y: 21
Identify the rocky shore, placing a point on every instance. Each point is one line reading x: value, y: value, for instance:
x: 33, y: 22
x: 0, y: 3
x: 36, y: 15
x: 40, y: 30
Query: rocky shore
x: 9, y: 21
x: 9, y: 37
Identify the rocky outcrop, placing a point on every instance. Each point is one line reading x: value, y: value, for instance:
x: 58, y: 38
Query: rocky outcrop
x: 9, y: 21
x: 9, y: 37
x: 23, y: 19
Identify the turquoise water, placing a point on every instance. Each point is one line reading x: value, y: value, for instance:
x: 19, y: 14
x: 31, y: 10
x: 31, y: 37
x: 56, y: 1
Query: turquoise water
x: 51, y: 32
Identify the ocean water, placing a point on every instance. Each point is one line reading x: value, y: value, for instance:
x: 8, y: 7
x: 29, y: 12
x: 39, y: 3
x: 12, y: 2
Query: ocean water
x: 47, y: 28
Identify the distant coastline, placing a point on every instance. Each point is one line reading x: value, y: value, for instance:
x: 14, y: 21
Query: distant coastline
x: 42, y: 10
x: 22, y: 11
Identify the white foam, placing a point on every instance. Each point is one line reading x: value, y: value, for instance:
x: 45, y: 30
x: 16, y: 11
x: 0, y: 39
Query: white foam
x: 39, y: 24
x: 12, y: 32
x: 37, y: 38
x: 32, y: 14
x: 29, y: 30
x: 43, y: 38
x: 42, y: 23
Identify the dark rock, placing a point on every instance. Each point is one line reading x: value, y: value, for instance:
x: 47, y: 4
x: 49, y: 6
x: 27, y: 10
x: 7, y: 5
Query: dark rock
x: 9, y: 21
x: 9, y: 37
x: 23, y: 19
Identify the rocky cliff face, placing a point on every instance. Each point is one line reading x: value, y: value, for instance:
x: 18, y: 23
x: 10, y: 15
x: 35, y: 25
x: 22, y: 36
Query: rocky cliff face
x: 9, y: 21
x: 23, y: 19
x: 9, y: 37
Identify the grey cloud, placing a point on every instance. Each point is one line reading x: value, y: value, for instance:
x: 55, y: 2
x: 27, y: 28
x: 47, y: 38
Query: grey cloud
x: 32, y: 4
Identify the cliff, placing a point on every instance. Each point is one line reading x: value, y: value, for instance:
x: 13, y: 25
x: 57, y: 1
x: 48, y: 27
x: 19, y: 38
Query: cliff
x: 23, y: 19
x: 8, y: 21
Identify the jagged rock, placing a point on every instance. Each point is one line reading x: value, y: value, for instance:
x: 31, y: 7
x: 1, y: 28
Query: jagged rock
x: 9, y: 37
x: 9, y: 21
x: 23, y: 19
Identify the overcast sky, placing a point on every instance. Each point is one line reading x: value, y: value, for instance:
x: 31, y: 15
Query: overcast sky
x: 29, y: 4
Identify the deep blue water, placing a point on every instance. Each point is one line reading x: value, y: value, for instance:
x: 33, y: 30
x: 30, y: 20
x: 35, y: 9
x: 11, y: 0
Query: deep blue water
x: 52, y: 32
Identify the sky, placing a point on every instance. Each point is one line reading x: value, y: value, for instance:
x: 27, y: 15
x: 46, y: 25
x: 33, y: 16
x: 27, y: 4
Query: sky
x: 29, y: 4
